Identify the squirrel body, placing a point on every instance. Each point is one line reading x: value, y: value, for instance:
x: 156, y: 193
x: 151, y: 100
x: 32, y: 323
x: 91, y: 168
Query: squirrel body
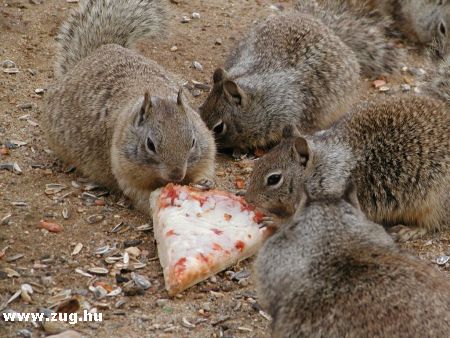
x: 331, y: 272
x: 396, y: 149
x: 289, y: 67
x: 426, y: 22
x: 118, y: 116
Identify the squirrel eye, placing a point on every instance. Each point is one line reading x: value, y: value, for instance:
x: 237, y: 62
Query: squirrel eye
x: 193, y: 142
x: 219, y: 128
x: 274, y: 179
x: 442, y: 29
x: 150, y: 145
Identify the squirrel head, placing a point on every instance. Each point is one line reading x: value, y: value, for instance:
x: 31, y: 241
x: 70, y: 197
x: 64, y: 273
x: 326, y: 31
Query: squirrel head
x: 322, y: 165
x: 275, y: 184
x: 227, y: 112
x: 162, y: 138
x: 434, y: 27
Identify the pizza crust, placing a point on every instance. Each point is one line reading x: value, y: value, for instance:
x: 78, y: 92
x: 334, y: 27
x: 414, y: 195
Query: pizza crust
x: 199, y: 234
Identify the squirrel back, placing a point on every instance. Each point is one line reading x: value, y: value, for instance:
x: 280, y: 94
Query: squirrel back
x: 364, y: 33
x: 99, y: 22
x: 330, y: 272
x: 119, y: 118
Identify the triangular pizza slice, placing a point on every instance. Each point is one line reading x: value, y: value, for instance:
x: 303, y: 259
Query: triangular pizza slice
x: 200, y: 233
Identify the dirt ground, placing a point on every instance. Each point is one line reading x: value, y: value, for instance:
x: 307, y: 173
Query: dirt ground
x: 219, y: 307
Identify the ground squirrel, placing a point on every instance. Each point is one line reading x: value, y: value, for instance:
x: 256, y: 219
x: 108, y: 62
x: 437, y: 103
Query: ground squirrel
x: 330, y: 272
x: 117, y: 116
x: 288, y: 69
x: 422, y: 21
x: 396, y: 149
x: 365, y: 34
x: 293, y: 67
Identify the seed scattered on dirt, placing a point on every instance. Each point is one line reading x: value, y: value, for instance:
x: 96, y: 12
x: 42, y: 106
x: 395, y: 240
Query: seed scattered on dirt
x: 442, y: 260
x: 77, y: 249
x: 95, y: 219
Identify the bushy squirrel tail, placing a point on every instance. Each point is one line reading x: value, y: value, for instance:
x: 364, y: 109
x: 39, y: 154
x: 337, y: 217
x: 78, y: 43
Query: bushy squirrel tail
x: 99, y: 22
x: 363, y: 30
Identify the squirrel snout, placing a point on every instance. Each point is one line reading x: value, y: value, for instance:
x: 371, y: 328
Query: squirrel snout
x: 177, y: 174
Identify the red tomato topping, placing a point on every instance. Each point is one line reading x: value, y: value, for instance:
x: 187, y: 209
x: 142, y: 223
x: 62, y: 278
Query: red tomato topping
x: 203, y: 258
x: 217, y: 247
x: 239, y: 245
x: 180, y: 266
x: 258, y: 216
x: 171, y: 233
x: 217, y: 231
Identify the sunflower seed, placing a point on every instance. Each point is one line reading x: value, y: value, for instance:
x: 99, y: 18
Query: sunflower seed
x: 140, y: 281
x: 81, y: 272
x: 117, y: 227
x: 5, y: 220
x: 54, y: 188
x: 14, y: 258
x: 98, y: 271
x: 115, y: 292
x: 145, y: 227
x: 102, y: 250
x: 77, y: 249
x: 95, y: 219
x: 65, y: 213
x: 187, y: 324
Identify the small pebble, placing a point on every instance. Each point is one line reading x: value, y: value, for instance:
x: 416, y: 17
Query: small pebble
x: 173, y: 48
x: 8, y: 64
x: 185, y: 19
x: 442, y: 260
x: 195, y: 15
x: 384, y: 89
x: 196, y: 93
x: 406, y: 87
x: 162, y: 302
x: 197, y: 65
x: 218, y: 42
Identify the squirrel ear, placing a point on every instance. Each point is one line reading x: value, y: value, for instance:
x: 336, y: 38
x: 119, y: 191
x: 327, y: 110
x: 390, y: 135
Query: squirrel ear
x: 301, y: 149
x: 350, y: 195
x: 146, y: 107
x: 219, y: 75
x: 235, y: 92
x: 290, y: 131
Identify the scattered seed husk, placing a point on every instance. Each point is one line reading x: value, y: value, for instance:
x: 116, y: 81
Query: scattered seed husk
x: 187, y: 324
x: 77, y: 249
x: 133, y: 251
x: 98, y: 271
x: 54, y: 188
x: 144, y: 227
x: 14, y: 257
x: 37, y: 287
x: 65, y: 213
x: 117, y: 227
x: 120, y: 303
x: 201, y: 85
x: 442, y: 260
x: 95, y: 219
x: 83, y: 273
x: 102, y: 250
x: 126, y: 258
x: 117, y: 291
x: 11, y: 70
x: 113, y: 259
x: 11, y: 299
x: 5, y: 220
x: 91, y: 186
x: 221, y: 320
x: 265, y: 315
x: 140, y: 281
x: 19, y: 204
x: 13, y: 167
x: 244, y: 329
x: 10, y: 272
x: 60, y: 297
x: 99, y: 291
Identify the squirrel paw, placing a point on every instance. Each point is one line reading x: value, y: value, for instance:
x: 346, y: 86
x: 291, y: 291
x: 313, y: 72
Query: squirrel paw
x: 402, y: 233
x: 203, y: 185
x: 270, y: 225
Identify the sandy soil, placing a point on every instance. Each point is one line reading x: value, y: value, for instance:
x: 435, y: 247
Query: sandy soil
x: 219, y: 307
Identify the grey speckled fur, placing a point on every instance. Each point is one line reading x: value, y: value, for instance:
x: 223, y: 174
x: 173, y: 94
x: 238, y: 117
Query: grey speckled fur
x: 396, y: 149
x: 332, y: 273
x: 288, y: 69
x: 98, y: 117
x: 364, y: 33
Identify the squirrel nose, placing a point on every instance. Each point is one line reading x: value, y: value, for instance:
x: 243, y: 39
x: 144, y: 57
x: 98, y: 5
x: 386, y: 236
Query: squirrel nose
x: 177, y: 175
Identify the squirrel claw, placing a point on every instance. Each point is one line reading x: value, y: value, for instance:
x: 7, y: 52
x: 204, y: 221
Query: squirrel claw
x: 268, y: 222
x: 203, y: 185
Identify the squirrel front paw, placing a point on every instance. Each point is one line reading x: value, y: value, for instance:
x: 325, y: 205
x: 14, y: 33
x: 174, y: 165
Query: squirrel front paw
x: 270, y: 226
x: 203, y: 185
x: 402, y: 233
